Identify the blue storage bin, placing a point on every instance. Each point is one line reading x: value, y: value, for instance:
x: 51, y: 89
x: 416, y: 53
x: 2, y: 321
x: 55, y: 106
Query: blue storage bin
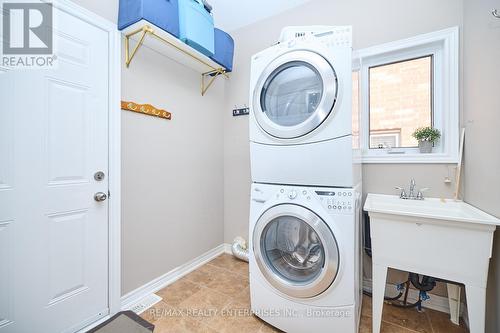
x: 162, y: 13
x: 196, y: 26
x: 224, y: 49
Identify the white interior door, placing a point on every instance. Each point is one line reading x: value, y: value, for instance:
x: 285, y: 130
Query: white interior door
x: 53, y: 138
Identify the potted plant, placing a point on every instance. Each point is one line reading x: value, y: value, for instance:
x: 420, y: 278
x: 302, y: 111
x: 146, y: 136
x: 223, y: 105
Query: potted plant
x: 426, y: 136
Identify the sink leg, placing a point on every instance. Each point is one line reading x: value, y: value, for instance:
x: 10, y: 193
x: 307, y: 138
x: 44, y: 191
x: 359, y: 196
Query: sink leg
x: 476, y: 307
x: 379, y: 277
x: 454, y: 302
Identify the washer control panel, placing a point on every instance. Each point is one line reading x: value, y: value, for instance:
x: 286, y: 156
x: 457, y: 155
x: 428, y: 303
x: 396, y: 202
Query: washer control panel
x: 338, y: 201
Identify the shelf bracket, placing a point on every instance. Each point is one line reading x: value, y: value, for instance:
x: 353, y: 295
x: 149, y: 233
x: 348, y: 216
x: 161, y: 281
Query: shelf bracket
x: 213, y: 75
x: 129, y: 56
x: 147, y: 30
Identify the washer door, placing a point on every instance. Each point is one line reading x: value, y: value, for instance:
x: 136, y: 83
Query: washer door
x: 295, y: 94
x: 295, y: 250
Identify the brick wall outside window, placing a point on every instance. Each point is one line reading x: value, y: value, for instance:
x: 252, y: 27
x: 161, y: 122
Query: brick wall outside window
x: 400, y: 99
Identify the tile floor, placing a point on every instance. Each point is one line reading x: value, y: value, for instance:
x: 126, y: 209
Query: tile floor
x: 195, y: 302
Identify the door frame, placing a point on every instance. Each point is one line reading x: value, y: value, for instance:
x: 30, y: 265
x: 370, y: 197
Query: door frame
x: 114, y: 145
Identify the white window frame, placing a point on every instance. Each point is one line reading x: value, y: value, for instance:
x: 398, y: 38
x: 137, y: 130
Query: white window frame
x: 443, y: 45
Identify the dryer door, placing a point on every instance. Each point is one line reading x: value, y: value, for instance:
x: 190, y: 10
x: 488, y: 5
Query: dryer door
x: 296, y: 251
x: 295, y: 94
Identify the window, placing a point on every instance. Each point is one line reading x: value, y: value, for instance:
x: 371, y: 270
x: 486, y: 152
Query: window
x: 400, y: 101
x: 401, y: 86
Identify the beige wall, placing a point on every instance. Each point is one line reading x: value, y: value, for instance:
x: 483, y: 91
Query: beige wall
x: 481, y: 86
x: 172, y: 171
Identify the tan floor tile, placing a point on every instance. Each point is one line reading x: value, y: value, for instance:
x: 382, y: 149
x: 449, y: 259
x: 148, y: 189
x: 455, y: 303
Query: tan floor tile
x: 205, y: 275
x: 244, y: 297
x: 408, y: 318
x: 366, y: 309
x: 229, y: 262
x: 365, y: 326
x: 155, y: 312
x: 437, y: 322
x: 178, y: 291
x: 229, y: 284
x: 216, y: 298
x: 441, y: 323
x: 168, y: 319
x: 180, y: 324
x: 236, y: 317
x: 204, y: 304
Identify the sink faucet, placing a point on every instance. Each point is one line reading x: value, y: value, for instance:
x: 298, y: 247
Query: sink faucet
x: 411, y: 195
x: 411, y: 192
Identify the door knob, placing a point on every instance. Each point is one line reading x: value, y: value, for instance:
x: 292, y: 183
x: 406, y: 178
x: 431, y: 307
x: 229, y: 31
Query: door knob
x: 100, y: 196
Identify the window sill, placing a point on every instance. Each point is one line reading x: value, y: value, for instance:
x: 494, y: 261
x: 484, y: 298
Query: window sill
x: 413, y: 158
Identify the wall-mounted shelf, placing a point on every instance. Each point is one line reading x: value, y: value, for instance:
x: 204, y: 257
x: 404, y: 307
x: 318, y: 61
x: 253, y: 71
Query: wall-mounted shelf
x: 145, y: 33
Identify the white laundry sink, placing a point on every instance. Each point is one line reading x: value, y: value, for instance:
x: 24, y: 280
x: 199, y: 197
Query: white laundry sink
x: 431, y: 208
x: 447, y: 239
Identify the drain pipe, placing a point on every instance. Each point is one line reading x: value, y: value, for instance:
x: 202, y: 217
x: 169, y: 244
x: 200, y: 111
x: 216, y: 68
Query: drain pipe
x: 239, y: 248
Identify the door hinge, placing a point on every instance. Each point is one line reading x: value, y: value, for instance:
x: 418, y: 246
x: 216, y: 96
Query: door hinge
x: 109, y: 195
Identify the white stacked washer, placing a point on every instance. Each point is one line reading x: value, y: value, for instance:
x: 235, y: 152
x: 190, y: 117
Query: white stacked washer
x: 305, y: 267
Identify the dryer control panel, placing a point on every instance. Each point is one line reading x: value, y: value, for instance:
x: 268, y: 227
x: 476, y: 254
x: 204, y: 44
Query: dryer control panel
x: 338, y: 201
x: 329, y: 35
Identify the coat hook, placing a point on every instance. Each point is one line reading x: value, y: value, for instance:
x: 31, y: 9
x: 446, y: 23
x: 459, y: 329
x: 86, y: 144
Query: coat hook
x: 495, y: 13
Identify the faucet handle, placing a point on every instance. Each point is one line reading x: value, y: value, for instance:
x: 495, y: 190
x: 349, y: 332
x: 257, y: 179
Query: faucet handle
x: 420, y: 195
x: 402, y: 194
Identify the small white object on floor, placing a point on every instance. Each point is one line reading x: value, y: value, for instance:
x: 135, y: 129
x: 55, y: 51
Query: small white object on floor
x: 145, y: 303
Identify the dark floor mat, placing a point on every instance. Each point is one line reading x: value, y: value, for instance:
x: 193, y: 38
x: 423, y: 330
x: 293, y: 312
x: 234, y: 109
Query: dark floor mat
x: 124, y: 322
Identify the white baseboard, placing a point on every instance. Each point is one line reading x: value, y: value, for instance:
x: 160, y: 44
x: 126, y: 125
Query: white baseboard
x: 133, y: 297
x: 227, y: 248
x: 438, y: 303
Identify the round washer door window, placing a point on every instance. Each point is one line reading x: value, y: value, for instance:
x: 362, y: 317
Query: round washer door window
x: 296, y: 251
x: 295, y: 94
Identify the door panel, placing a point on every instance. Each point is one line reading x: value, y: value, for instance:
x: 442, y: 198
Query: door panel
x: 6, y: 135
x: 67, y: 239
x: 57, y: 134
x: 68, y: 133
x: 6, y: 286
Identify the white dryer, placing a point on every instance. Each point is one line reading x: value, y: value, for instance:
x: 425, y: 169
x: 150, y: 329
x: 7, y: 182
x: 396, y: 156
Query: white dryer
x: 304, y: 254
x: 300, y: 109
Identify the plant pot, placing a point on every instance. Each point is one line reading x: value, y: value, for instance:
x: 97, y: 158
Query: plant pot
x: 425, y: 147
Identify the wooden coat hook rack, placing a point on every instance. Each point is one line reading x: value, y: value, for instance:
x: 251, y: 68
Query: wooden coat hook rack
x: 146, y: 109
